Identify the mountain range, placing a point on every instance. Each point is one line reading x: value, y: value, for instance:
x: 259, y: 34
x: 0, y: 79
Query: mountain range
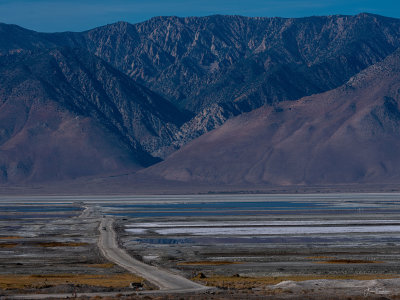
x: 218, y: 100
x: 346, y: 135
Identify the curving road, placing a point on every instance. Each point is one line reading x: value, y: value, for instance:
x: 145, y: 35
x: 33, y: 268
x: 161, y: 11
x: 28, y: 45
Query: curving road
x: 165, y: 280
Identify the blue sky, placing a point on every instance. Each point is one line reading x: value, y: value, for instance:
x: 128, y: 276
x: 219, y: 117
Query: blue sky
x: 79, y: 15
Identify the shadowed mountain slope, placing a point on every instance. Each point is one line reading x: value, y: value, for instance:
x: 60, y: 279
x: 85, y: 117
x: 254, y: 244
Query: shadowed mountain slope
x: 195, y: 62
x: 221, y: 66
x: 347, y: 135
x: 244, y: 62
x: 15, y: 39
x: 65, y: 113
x: 139, y: 92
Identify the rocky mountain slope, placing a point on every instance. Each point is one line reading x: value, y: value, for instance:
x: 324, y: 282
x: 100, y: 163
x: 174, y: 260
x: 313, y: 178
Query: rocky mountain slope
x: 148, y: 89
x: 220, y: 66
x: 65, y: 113
x: 229, y: 64
x: 347, y: 135
x: 195, y: 62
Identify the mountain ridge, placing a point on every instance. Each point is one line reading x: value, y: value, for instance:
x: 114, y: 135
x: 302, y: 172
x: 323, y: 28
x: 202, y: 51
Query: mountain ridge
x: 347, y: 135
x: 73, y: 84
x: 155, y: 86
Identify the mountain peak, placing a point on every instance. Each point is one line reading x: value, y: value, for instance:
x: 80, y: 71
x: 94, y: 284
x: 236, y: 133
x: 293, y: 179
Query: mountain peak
x: 159, y: 84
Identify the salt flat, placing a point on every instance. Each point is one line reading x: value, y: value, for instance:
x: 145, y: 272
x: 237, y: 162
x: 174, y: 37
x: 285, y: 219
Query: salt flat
x: 248, y: 231
x: 252, y: 236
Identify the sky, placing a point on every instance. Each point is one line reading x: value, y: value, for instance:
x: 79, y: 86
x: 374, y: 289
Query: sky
x: 80, y: 15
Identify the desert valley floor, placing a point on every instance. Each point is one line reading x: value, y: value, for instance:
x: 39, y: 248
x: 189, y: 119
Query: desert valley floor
x: 339, y: 246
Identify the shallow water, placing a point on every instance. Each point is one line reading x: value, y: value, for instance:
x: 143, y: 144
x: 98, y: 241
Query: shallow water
x: 266, y: 240
x: 29, y: 211
x: 38, y: 208
x: 206, y: 209
x: 335, y: 220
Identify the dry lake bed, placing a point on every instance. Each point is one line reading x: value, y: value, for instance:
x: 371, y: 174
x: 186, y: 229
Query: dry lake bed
x: 334, y: 246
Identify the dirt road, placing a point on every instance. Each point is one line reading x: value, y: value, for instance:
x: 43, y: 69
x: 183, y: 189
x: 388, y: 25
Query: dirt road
x: 164, y: 279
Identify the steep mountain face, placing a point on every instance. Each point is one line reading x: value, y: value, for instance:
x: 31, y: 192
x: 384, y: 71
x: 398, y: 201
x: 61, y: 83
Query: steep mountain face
x: 66, y: 113
x: 143, y: 91
x: 196, y: 62
x: 221, y: 66
x: 347, y: 135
